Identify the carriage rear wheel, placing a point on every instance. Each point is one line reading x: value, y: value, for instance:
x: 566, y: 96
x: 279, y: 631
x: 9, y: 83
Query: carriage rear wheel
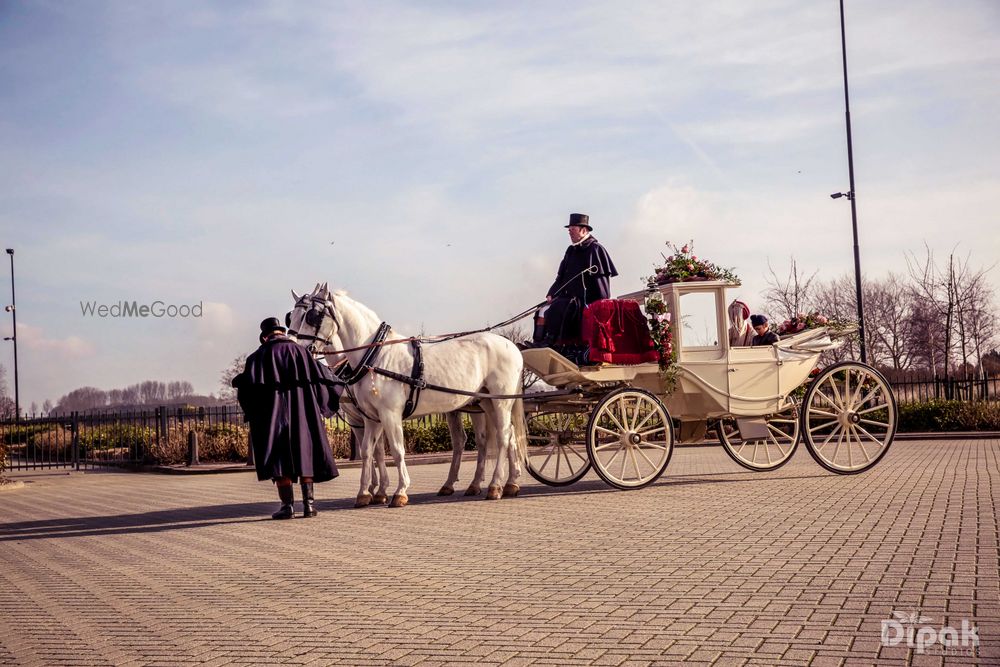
x: 764, y: 453
x: 630, y: 438
x: 557, y: 447
x: 849, y: 417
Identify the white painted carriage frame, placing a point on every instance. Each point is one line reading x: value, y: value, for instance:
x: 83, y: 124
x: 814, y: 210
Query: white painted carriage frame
x: 712, y: 381
x: 747, y: 393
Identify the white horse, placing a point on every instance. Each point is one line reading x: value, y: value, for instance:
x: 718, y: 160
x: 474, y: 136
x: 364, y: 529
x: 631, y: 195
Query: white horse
x: 475, y: 363
x: 380, y: 473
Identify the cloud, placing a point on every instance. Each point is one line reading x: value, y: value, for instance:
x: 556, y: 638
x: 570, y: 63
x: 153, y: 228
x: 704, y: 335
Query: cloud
x: 69, y: 348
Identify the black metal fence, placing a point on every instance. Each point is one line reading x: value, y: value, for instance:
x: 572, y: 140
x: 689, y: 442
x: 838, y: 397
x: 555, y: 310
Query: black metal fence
x: 913, y: 388
x: 166, y: 434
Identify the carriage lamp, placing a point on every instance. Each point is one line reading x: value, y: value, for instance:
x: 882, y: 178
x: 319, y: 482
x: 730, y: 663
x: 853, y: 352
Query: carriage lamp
x: 838, y: 195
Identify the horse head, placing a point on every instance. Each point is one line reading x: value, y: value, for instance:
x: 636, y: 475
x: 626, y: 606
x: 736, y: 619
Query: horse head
x: 313, y: 319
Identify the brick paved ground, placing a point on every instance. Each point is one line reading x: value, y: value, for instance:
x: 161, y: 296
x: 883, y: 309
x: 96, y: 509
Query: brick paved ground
x: 710, y: 565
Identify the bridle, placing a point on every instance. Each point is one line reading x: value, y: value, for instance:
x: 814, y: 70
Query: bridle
x: 314, y: 317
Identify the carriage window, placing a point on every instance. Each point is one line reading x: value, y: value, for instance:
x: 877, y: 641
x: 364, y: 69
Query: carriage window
x: 699, y: 320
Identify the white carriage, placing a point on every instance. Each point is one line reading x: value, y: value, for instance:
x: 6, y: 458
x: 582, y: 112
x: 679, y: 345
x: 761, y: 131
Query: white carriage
x: 623, y: 422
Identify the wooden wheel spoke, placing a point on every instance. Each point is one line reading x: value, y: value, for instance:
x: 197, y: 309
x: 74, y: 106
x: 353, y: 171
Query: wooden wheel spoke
x: 874, y: 394
x: 606, y: 431
x: 644, y: 420
x: 614, y: 456
x: 774, y: 430
x: 654, y: 445
x: 823, y: 425
x: 836, y: 392
x: 864, y: 451
x: 601, y: 448
x: 643, y: 455
x: 643, y: 434
x: 871, y: 437
x: 829, y: 437
x: 611, y: 416
x: 874, y: 408
x: 576, y: 453
x: 872, y: 422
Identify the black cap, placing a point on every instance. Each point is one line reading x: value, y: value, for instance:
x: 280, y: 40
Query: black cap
x: 579, y: 220
x: 758, y: 320
x: 269, y: 326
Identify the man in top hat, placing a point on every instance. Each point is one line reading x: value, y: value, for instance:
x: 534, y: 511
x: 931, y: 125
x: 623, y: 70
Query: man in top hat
x: 584, y: 277
x: 764, y: 334
x: 285, y: 395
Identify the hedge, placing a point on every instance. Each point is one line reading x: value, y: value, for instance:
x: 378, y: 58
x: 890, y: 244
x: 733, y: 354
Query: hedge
x: 949, y: 416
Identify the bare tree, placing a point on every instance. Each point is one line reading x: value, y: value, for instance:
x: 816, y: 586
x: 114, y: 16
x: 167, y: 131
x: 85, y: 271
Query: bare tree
x: 790, y: 295
x: 888, y: 304
x: 235, y: 367
x: 84, y: 398
x: 47, y: 407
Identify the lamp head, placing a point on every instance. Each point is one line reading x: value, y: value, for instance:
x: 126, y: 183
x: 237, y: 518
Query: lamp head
x: 10, y: 251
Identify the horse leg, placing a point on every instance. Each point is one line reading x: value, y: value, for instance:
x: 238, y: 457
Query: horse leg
x: 480, y: 426
x: 367, y: 445
x: 457, y: 432
x: 380, y: 497
x: 512, y: 487
x: 394, y: 434
x: 494, y: 492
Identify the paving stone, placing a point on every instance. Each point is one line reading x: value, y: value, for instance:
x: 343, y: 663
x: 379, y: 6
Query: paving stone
x: 712, y: 564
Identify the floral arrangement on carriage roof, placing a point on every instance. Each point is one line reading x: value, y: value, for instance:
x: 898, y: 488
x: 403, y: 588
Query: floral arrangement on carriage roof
x: 803, y: 321
x: 683, y: 265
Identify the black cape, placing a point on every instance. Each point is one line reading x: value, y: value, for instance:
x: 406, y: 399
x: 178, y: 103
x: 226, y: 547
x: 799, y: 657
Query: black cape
x: 285, y: 394
x: 589, y: 287
x: 571, y: 292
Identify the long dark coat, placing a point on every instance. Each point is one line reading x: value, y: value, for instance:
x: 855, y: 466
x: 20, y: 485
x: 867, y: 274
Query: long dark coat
x: 285, y: 394
x: 571, y: 292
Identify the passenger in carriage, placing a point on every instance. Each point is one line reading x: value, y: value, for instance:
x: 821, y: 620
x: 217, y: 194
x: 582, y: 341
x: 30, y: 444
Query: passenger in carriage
x: 584, y: 277
x: 740, y: 332
x: 764, y: 334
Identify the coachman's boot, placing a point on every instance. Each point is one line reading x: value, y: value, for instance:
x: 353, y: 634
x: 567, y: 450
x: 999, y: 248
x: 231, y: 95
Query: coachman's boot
x: 287, y: 497
x: 308, y: 508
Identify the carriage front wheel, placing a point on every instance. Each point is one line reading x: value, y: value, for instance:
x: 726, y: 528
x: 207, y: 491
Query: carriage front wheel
x: 630, y: 438
x: 849, y: 417
x: 763, y: 453
x: 557, y: 447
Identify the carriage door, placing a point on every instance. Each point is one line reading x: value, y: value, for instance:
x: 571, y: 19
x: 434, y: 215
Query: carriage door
x: 703, y: 350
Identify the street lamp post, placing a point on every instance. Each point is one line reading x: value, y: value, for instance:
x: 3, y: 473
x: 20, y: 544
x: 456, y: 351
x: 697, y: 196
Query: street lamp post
x: 851, y: 194
x: 12, y: 309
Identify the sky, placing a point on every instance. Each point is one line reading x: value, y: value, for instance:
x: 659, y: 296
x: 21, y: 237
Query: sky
x: 425, y: 156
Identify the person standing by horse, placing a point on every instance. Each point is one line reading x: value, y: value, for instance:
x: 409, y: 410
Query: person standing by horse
x: 285, y: 395
x: 584, y: 277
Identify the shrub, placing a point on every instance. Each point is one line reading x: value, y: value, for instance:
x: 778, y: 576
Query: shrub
x: 217, y: 443
x: 950, y: 416
x: 116, y: 440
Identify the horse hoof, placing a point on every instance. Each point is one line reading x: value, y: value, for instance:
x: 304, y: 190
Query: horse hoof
x: 399, y: 500
x: 364, y: 500
x: 511, y: 490
x: 380, y: 499
x: 446, y: 491
x: 473, y: 490
x: 493, y: 493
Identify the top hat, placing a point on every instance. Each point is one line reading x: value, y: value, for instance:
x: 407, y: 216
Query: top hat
x: 269, y: 326
x: 579, y: 220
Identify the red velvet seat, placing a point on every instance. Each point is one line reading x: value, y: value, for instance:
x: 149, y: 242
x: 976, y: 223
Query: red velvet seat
x: 617, y: 333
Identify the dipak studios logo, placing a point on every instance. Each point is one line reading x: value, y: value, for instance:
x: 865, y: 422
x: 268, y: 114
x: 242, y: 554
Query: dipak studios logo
x: 920, y: 633
x: 123, y: 309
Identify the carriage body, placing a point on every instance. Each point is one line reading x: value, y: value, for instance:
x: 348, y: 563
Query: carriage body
x: 748, y: 394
